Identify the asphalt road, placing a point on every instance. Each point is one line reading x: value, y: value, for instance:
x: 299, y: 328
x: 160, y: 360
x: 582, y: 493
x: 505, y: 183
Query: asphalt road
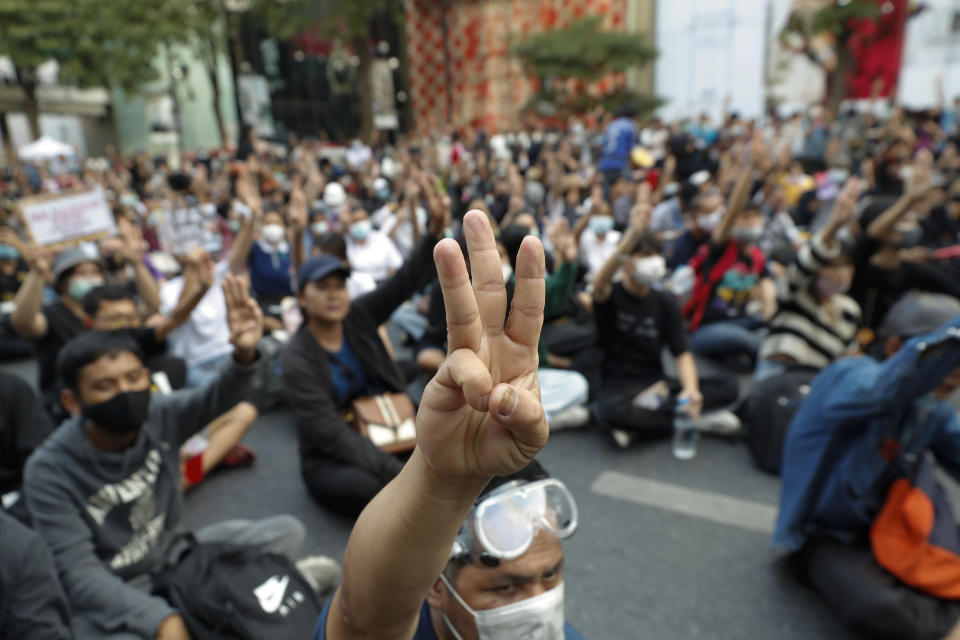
x: 666, y: 549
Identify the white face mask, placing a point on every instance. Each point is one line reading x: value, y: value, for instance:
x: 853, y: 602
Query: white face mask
x: 537, y: 618
x: 507, y: 272
x: 710, y: 221
x: 649, y: 270
x: 272, y: 233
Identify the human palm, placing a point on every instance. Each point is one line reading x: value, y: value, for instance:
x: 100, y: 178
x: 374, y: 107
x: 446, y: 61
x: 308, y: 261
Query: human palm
x: 481, y: 413
x: 243, y: 315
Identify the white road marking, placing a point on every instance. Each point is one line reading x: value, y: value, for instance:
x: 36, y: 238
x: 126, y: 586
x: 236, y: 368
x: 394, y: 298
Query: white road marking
x: 716, y: 507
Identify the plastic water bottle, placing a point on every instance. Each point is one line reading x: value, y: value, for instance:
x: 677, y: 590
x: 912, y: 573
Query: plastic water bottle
x: 684, y: 431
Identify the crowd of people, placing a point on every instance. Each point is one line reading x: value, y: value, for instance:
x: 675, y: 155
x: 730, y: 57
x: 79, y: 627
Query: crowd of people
x: 649, y: 268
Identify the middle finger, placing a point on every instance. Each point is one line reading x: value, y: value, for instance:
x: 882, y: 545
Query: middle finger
x: 486, y: 272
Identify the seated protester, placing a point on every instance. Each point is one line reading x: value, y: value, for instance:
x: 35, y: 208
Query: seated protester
x: 13, y: 271
x: 112, y: 309
x: 103, y: 491
x: 815, y: 322
x: 730, y: 273
x: 635, y: 321
x: 855, y: 434
x: 479, y: 418
x: 268, y: 257
x: 32, y: 605
x: 335, y: 357
x: 707, y: 211
x: 889, y: 258
x: 405, y: 221
x: 596, y: 237
x: 50, y: 326
x: 24, y: 425
x: 369, y: 251
x: 125, y: 265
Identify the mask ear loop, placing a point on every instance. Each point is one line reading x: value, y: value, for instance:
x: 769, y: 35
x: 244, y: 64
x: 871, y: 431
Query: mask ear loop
x: 456, y: 596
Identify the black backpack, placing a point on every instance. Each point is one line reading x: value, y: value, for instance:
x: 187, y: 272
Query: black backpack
x: 771, y: 406
x: 224, y: 590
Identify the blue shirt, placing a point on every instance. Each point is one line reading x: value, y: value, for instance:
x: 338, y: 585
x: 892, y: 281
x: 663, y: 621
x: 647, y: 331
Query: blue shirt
x: 424, y: 628
x: 349, y: 378
x: 847, y: 436
x: 269, y: 272
x: 619, y: 139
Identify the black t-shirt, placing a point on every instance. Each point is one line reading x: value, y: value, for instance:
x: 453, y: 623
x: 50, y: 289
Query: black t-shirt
x: 10, y: 283
x: 62, y: 325
x: 633, y: 332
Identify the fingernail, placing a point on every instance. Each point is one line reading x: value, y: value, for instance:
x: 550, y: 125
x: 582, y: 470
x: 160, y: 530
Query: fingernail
x: 485, y: 402
x: 508, y: 403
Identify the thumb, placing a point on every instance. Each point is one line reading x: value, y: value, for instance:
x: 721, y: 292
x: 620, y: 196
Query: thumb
x: 521, y: 413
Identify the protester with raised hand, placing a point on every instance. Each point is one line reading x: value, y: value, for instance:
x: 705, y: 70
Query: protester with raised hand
x: 731, y: 271
x: 636, y: 321
x: 816, y: 322
x: 103, y: 490
x: 480, y: 417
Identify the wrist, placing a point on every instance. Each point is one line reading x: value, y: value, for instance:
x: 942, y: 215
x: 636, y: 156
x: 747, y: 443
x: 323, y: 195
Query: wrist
x: 244, y: 355
x: 441, y: 488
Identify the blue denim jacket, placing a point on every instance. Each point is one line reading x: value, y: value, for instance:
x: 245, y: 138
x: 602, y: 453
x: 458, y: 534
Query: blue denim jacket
x: 846, y: 441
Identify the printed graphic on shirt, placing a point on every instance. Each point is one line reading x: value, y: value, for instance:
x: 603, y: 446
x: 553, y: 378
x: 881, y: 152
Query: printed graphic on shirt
x: 734, y: 290
x: 272, y: 596
x: 136, y: 496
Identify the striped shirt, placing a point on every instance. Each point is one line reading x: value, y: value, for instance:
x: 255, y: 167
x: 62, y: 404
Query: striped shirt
x: 802, y: 329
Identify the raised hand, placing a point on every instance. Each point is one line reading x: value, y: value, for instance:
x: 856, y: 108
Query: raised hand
x: 243, y: 317
x: 249, y: 193
x: 481, y: 414
x: 9, y: 237
x: 297, y: 212
x: 642, y: 209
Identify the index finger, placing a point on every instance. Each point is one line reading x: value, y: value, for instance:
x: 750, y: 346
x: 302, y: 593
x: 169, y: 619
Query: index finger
x: 464, y: 330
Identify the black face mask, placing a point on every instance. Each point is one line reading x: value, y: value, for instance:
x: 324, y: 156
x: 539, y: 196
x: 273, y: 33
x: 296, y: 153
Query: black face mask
x: 123, y: 413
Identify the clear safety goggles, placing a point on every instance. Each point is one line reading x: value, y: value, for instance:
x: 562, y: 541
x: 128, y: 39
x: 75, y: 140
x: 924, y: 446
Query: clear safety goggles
x: 505, y: 523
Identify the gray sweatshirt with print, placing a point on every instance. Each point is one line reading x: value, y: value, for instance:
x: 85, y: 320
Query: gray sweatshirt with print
x: 108, y: 517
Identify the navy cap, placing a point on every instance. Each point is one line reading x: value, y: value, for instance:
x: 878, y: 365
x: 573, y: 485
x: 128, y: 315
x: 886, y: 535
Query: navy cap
x: 319, y: 267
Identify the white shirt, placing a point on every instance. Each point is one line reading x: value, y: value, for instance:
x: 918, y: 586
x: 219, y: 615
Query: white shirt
x: 359, y: 284
x: 595, y: 252
x: 377, y: 256
x: 206, y: 335
x: 403, y: 239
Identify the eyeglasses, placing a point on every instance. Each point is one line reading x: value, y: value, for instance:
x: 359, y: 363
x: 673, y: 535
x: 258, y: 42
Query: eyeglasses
x: 505, y: 524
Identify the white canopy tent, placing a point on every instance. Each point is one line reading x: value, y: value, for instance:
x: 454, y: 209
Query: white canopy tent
x: 45, y: 148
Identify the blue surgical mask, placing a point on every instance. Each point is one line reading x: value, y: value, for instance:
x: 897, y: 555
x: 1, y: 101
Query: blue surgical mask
x: 320, y: 228
x: 360, y: 230
x: 601, y: 224
x: 9, y: 252
x: 383, y: 194
x: 235, y: 225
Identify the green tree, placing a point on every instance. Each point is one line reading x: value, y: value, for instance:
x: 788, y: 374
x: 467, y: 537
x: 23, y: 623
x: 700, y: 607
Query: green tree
x: 94, y: 44
x: 584, y: 51
x: 837, y: 18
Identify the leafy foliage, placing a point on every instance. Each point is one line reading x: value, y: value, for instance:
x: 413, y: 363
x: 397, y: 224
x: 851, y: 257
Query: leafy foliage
x: 583, y: 51
x: 831, y: 18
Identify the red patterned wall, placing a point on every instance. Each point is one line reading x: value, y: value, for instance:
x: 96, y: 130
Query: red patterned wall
x: 486, y: 86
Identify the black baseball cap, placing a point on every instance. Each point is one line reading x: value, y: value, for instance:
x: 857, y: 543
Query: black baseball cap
x: 319, y: 267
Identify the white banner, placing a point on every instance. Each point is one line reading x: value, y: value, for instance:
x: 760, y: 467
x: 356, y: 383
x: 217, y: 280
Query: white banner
x: 62, y: 218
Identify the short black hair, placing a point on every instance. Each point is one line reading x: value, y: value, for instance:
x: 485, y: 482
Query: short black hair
x: 646, y: 243
x: 89, y: 347
x: 333, y: 244
x: 109, y: 292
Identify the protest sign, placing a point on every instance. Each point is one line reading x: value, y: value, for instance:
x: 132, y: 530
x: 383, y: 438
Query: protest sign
x: 67, y: 217
x: 180, y: 230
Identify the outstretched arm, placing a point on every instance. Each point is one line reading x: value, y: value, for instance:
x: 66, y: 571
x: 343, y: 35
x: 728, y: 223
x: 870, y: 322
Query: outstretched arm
x: 480, y: 416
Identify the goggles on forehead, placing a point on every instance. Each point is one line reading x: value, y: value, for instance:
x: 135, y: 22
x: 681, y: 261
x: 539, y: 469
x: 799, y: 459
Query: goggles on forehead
x: 504, y: 524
